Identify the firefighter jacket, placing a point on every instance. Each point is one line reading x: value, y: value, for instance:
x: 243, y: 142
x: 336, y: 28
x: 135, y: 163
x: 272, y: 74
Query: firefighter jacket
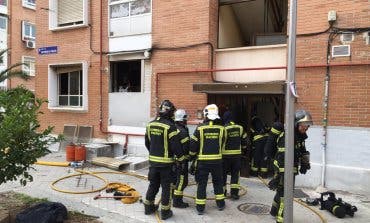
x: 299, y: 150
x: 270, y: 146
x: 235, y: 140
x: 163, y: 142
x: 207, y: 142
x: 184, y: 138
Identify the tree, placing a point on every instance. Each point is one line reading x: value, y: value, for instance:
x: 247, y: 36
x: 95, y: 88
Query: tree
x: 11, y: 71
x: 21, y: 140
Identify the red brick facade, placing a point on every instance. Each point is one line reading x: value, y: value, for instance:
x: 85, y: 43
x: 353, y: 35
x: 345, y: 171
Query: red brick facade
x: 349, y: 95
x: 183, y: 33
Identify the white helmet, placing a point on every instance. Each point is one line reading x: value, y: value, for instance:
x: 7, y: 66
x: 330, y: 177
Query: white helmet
x: 211, y: 112
x: 180, y: 115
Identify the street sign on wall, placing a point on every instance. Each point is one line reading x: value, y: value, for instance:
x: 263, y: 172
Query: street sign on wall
x: 48, y: 50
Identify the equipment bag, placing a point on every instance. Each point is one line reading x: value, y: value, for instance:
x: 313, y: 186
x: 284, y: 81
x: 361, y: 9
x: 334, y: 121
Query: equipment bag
x: 46, y: 212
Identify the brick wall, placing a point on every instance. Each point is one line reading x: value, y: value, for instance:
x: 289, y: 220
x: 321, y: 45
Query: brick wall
x: 17, y: 13
x: 349, y: 97
x: 178, y: 24
x: 74, y: 45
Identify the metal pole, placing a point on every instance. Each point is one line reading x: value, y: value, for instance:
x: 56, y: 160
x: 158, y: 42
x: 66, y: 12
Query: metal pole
x: 289, y: 116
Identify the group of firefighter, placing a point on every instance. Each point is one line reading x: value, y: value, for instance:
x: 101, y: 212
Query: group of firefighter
x: 216, y: 147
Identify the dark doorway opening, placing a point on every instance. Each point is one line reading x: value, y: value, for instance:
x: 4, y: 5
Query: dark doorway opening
x: 269, y: 107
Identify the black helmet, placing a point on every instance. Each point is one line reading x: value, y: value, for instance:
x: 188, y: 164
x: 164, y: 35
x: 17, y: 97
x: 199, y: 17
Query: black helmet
x: 302, y: 116
x: 166, y: 108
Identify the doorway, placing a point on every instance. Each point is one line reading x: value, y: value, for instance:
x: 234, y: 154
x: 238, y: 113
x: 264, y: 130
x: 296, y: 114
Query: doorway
x: 269, y: 107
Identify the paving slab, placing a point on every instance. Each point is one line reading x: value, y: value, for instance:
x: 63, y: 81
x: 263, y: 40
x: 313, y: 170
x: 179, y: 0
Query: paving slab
x: 255, y: 202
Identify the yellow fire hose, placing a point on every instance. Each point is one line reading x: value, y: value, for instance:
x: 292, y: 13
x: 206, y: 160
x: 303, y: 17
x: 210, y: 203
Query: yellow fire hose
x: 94, y: 174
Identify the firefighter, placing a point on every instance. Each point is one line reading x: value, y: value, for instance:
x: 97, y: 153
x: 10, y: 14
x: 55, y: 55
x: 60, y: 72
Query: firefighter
x: 206, y: 146
x: 182, y: 168
x: 259, y: 166
x: 235, y: 145
x: 163, y: 142
x: 302, y: 122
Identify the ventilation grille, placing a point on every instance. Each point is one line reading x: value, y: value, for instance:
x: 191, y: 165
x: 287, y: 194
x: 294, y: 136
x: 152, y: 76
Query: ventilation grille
x: 341, y: 51
x: 347, y: 37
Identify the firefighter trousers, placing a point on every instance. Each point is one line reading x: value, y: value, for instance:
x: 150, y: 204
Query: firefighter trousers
x: 232, y: 165
x: 181, y: 180
x: 160, y: 177
x: 203, y: 170
x: 259, y: 164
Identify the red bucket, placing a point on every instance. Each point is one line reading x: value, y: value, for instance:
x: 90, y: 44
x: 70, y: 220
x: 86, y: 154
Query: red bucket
x: 80, y: 153
x: 70, y: 153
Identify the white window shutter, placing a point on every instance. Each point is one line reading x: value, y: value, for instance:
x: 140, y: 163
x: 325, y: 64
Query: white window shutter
x: 70, y: 12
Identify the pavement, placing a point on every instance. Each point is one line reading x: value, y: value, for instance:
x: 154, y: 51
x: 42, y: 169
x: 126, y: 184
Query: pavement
x: 253, y: 206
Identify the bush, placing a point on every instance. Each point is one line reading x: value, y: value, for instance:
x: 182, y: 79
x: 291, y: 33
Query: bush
x: 22, y: 142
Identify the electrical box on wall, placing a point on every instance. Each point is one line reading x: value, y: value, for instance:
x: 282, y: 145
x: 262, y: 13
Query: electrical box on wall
x: 332, y: 16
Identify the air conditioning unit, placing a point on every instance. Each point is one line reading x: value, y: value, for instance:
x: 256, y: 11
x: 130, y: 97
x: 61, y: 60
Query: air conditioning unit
x: 341, y: 51
x: 30, y: 44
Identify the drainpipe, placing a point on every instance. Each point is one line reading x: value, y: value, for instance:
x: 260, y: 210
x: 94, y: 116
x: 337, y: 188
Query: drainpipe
x: 101, y: 85
x: 325, y: 112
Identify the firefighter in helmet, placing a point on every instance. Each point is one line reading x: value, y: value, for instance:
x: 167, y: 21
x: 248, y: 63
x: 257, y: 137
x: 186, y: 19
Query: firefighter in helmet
x: 163, y: 143
x: 235, y: 145
x: 302, y: 122
x: 259, y: 166
x: 182, y: 167
x: 206, y: 146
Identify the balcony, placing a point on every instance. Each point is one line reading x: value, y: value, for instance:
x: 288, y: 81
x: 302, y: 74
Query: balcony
x: 268, y: 56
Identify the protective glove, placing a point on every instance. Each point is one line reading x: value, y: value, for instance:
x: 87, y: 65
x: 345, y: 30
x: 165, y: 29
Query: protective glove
x: 274, y: 183
x: 193, y: 167
x: 304, y: 168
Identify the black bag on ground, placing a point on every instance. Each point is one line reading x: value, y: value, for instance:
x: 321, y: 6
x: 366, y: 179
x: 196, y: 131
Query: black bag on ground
x: 46, y: 212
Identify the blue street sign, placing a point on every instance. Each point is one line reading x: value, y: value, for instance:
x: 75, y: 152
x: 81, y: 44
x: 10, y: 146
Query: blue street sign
x: 48, y: 50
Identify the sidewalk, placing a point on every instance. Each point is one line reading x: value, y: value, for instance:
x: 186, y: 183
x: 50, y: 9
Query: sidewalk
x: 256, y: 202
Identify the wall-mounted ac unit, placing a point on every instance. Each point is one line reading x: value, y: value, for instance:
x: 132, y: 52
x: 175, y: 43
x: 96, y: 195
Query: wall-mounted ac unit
x: 341, y: 51
x: 30, y: 44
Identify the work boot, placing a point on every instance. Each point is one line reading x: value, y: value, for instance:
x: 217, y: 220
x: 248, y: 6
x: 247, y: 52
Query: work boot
x: 179, y: 203
x: 234, y: 194
x: 200, y: 209
x: 220, y: 205
x: 273, y: 211
x: 165, y: 214
x: 150, y: 208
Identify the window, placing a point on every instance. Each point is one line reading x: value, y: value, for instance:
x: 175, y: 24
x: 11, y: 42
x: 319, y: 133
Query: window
x: 124, y: 8
x: 126, y: 76
x: 67, y: 87
x: 130, y: 17
x: 3, y: 22
x: 29, y: 68
x: 28, y: 31
x: 4, y: 2
x: 29, y: 4
x: 66, y: 14
x: 70, y: 88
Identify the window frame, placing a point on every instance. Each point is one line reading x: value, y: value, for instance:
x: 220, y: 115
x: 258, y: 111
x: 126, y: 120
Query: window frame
x: 30, y: 5
x: 129, y: 17
x: 5, y: 5
x: 26, y: 37
x: 69, y: 95
x: 26, y: 68
x: 53, y: 16
x: 118, y: 2
x: 53, y: 87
